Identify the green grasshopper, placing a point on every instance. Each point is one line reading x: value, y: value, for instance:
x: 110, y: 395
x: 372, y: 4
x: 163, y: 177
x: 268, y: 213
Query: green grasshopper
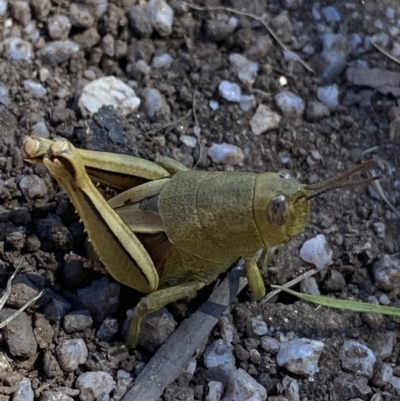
x: 171, y: 231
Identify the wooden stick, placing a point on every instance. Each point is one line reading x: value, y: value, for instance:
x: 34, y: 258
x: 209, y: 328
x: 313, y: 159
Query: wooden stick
x: 174, y: 355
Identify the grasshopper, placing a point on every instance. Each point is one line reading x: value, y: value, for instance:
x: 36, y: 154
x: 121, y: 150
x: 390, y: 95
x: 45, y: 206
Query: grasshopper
x: 171, y: 231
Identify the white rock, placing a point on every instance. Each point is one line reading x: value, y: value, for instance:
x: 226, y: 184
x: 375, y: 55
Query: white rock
x: 329, y: 96
x: 4, y: 95
x: 18, y: 49
x: 154, y: 103
x: 243, y: 387
x: 291, y: 105
x: 316, y: 251
x: 264, y: 119
x: 258, y: 326
x: 32, y: 187
x: 300, y: 356
x: 215, y: 391
x: 98, y: 384
x: 24, y: 391
x: 3, y: 8
x: 230, y: 91
x: 245, y: 70
x: 161, y: 16
x: 219, y: 360
x: 71, y: 354
x: 58, y: 26
x: 357, y: 358
x: 40, y: 129
x: 164, y: 61
x: 225, y: 153
x: 108, y: 91
x: 214, y: 105
x: 247, y: 102
x: 36, y: 89
x: 291, y: 388
x: 190, y: 141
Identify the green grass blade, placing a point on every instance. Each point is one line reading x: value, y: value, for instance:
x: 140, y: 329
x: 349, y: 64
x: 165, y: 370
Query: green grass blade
x: 355, y: 306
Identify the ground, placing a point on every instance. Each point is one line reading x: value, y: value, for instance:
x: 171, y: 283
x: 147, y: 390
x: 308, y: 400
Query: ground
x: 348, y: 217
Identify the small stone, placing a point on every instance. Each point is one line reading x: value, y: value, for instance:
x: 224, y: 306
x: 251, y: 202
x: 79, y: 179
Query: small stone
x: 108, y: 91
x: 309, y: 286
x: 257, y: 326
x: 334, y: 54
x: 58, y: 27
x: 107, y: 329
x: 108, y: 45
x: 291, y: 105
x: 247, y: 103
x: 95, y: 385
x: 292, y: 4
x: 162, y: 62
x: 40, y: 129
x: 260, y: 49
x: 3, y: 8
x: 380, y: 229
x: 386, y: 272
x: 139, y: 22
x: 242, y: 386
x: 357, y: 358
x: 87, y: 39
x: 56, y: 308
x: 291, y: 388
x: 214, y: 105
x: 316, y: 111
x: 383, y: 344
x: 20, y: 11
x: 331, y: 14
x: 316, y: 251
x: 43, y: 332
x: 215, y: 391
x: 270, y: 345
x: 155, y: 105
x: 56, y: 395
x: 282, y: 27
x: 382, y: 375
x: 390, y: 13
x: 18, y: 49
x: 58, y: 52
x: 189, y: 141
x: 264, y: 119
x: 80, y: 15
x: 245, y: 70
x: 161, y: 16
x: 335, y: 282
x: 33, y: 187
x: 219, y: 360
x: 77, y: 321
x: 329, y: 96
x: 71, y: 354
x: 381, y: 39
x: 230, y: 91
x: 218, y: 30
x: 300, y: 356
x: 225, y: 153
x: 35, y: 89
x: 41, y: 9
x: 4, y: 95
x: 23, y: 391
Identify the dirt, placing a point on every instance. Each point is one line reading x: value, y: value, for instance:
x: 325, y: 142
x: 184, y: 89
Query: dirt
x: 347, y: 217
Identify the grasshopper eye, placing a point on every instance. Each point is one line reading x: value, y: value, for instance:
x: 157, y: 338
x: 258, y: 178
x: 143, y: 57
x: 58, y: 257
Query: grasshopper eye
x: 284, y: 174
x: 277, y: 210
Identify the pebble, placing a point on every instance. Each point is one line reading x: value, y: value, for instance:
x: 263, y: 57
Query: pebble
x: 247, y: 103
x: 108, y: 91
x: 56, y: 308
x: 291, y: 389
x: 163, y: 61
x: 218, y: 30
x: 23, y: 289
x: 300, y: 356
x: 58, y: 52
x: 214, y: 105
x: 3, y: 8
x: 329, y: 96
x: 334, y: 53
x: 270, y: 345
x: 309, y: 286
x: 40, y: 129
x: 316, y: 111
x: 20, y: 11
x: 18, y: 49
x: 4, y: 95
x: 242, y: 386
x: 381, y: 39
x: 95, y: 385
x: 24, y: 391
x: 228, y: 330
x: 155, y: 105
x: 58, y: 27
x: 161, y: 16
x: 18, y: 334
x: 383, y: 373
x: 380, y: 229
x: 107, y: 329
x: 53, y: 233
x: 41, y: 9
x: 386, y: 271
x: 264, y: 119
x: 244, y: 69
x: 357, y: 358
x: 139, y: 21
x: 33, y: 187
x: 259, y: 49
x: 124, y: 381
x: 225, y: 153
x: 187, y: 140
x: 331, y: 14
x: 335, y: 281
x: 257, y: 327
x: 5, y: 366
x: 230, y: 91
x: 282, y: 27
x: 316, y: 251
x: 383, y: 344
x: 71, y: 353
x: 101, y: 298
x: 155, y: 328
x: 80, y: 15
x: 291, y: 105
x: 56, y: 395
x: 35, y: 89
x: 215, y: 391
x: 220, y: 361
x: 77, y: 321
